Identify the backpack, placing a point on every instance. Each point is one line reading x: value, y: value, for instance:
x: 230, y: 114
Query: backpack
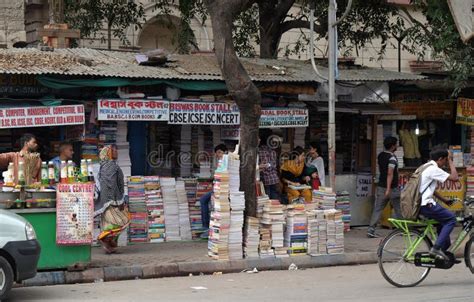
x: 410, y: 197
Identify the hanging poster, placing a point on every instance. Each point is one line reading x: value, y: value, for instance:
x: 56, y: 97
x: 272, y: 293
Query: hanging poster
x: 465, y: 112
x: 25, y: 117
x: 200, y: 113
x: 74, y: 214
x: 284, y: 118
x: 364, y: 185
x: 132, y: 110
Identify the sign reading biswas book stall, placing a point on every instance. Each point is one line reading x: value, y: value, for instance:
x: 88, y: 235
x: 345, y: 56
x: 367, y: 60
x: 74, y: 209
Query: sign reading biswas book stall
x: 75, y: 211
x: 132, y: 110
x: 23, y: 117
x: 199, y: 113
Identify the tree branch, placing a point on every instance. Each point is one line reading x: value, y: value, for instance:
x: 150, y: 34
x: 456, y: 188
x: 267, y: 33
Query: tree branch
x: 414, y: 21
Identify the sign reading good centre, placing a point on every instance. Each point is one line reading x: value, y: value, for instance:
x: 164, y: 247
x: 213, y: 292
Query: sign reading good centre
x: 198, y: 113
x: 23, y: 117
x: 132, y: 110
x: 284, y: 118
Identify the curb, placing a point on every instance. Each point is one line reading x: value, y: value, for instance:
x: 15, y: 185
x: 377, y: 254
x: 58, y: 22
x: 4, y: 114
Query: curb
x: 120, y: 273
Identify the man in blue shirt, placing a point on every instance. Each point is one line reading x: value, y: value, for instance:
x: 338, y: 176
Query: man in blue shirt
x: 65, y: 153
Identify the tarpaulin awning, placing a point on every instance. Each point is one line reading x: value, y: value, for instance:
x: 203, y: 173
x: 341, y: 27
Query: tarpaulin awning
x: 56, y: 83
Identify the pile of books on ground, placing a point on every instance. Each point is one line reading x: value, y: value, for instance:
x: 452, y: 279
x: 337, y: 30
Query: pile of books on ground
x: 274, y: 219
x: 138, y: 229
x: 154, y: 204
x: 218, y: 243
x: 325, y: 232
x: 324, y: 198
x: 335, y: 232
x: 170, y: 205
x: 265, y: 245
x: 183, y: 210
x: 343, y: 204
x: 296, y: 232
x: 237, y: 206
x: 252, y: 237
x: 191, y: 185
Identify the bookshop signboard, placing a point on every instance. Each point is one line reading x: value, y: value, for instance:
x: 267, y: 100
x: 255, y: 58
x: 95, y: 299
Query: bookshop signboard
x: 74, y: 213
x: 465, y: 112
x: 132, y: 110
x: 199, y: 113
x: 23, y: 117
x: 284, y: 118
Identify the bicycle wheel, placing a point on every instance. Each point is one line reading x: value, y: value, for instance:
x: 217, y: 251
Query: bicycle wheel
x: 469, y: 254
x: 398, y: 269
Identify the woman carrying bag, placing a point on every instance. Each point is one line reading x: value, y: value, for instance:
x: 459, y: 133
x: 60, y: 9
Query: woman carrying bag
x: 110, y: 204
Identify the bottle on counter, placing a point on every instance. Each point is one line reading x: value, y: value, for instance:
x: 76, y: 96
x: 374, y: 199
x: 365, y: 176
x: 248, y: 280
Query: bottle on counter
x: 51, y: 173
x: 84, y: 172
x: 70, y: 171
x: 44, y: 173
x: 90, y: 171
x: 21, y: 173
x: 11, y: 175
x: 63, y: 172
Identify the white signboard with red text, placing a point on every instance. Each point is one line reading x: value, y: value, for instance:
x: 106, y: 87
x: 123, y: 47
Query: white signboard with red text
x: 133, y: 110
x: 284, y: 118
x: 23, y: 117
x: 200, y: 113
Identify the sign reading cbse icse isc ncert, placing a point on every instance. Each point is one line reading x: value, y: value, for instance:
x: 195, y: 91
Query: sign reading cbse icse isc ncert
x: 132, y: 110
x: 199, y: 113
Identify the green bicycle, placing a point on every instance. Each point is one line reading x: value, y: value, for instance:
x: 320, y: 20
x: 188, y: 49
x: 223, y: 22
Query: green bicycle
x: 403, y: 256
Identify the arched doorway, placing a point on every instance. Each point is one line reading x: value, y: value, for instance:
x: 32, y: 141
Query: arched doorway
x: 162, y: 32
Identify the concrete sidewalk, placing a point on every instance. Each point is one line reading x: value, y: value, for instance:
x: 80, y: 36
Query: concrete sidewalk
x: 183, y: 258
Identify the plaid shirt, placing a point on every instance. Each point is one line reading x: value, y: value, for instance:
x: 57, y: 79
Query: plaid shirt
x: 269, y: 174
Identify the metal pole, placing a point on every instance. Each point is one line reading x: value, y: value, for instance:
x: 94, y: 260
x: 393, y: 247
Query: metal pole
x: 332, y: 30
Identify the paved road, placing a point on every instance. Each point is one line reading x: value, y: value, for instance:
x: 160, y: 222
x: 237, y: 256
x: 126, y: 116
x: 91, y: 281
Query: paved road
x: 345, y: 283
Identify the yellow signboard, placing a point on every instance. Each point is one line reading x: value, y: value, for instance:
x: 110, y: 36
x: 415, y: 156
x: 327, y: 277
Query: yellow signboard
x: 465, y: 112
x: 454, y: 190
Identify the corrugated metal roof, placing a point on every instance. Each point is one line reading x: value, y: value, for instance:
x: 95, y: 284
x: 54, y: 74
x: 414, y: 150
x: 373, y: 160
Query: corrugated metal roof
x: 91, y: 62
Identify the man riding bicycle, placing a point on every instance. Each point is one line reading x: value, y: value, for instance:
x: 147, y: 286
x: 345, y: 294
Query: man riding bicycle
x: 440, y: 158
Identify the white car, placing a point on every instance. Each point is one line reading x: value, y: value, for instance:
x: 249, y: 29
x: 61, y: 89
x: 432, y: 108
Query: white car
x: 19, y: 251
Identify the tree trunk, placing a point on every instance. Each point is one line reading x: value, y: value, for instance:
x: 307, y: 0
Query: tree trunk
x: 245, y: 93
x: 269, y: 42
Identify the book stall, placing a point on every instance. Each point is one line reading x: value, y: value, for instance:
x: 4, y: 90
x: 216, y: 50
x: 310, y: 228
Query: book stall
x: 58, y: 202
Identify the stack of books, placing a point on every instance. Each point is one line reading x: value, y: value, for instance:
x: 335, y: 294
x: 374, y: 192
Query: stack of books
x: 343, y: 204
x: 261, y: 202
x: 335, y: 232
x: 252, y: 237
x: 399, y: 153
x: 470, y: 181
x: 194, y: 207
x: 265, y: 246
x: 458, y: 157
x: 237, y: 206
x: 218, y: 243
x: 183, y: 210
x: 296, y: 232
x: 170, y: 205
x: 324, y: 198
x: 108, y: 132
x: 154, y: 204
x: 274, y: 218
x: 138, y: 229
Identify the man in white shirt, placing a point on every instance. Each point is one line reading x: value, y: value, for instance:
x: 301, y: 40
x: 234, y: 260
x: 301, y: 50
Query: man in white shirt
x: 429, y: 207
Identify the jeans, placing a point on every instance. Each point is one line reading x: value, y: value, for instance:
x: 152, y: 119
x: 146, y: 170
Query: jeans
x: 272, y: 192
x: 205, y: 201
x: 381, y: 202
x: 447, y: 221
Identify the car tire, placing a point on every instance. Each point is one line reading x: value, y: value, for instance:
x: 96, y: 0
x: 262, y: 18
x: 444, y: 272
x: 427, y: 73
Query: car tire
x: 6, y: 278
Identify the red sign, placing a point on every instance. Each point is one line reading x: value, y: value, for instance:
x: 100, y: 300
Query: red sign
x: 24, y: 117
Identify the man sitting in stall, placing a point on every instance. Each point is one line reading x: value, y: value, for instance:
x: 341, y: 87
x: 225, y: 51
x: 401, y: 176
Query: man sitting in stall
x: 65, y: 153
x: 26, y: 157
